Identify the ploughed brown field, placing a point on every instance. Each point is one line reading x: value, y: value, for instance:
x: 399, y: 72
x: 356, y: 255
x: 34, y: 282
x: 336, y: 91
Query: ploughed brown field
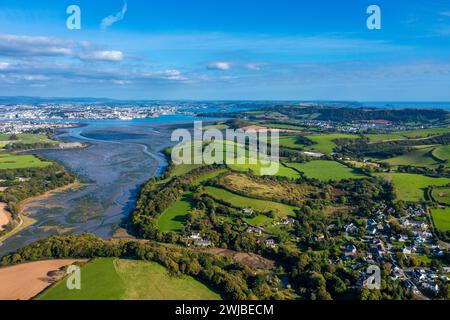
x: 25, y: 281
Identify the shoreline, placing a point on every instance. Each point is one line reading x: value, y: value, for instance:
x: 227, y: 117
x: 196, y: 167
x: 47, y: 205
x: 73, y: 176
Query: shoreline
x: 26, y: 221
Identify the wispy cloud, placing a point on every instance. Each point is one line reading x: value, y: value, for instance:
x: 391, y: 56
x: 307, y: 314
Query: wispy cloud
x: 445, y: 13
x: 26, y: 46
x: 219, y: 65
x: 113, y: 56
x: 110, y: 20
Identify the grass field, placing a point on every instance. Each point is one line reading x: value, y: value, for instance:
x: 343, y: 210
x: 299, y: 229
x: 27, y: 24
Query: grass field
x: 12, y: 161
x: 324, y: 142
x: 325, y: 170
x: 441, y: 218
x: 280, y: 126
x: 290, y: 142
x: 442, y: 153
x: 256, y: 169
x: 442, y: 195
x: 280, y: 209
x: 174, y: 217
x: 410, y: 134
x: 421, y: 158
x: 411, y: 187
x: 242, y: 183
x: 27, y: 138
x: 117, y: 279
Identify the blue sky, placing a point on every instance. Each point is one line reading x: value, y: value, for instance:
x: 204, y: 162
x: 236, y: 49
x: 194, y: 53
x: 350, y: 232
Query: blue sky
x: 227, y: 49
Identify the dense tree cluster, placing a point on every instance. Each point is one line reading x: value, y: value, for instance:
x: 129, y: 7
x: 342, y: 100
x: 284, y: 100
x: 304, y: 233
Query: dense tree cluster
x: 229, y: 278
x: 29, y: 182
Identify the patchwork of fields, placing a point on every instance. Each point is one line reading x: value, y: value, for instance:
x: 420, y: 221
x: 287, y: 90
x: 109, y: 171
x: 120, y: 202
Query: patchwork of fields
x: 118, y: 279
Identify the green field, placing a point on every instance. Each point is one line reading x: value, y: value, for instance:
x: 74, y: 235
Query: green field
x: 12, y: 161
x: 442, y: 195
x: 441, y: 218
x: 175, y: 216
x: 403, y: 135
x: 256, y: 169
x: 280, y: 126
x: 411, y: 187
x: 290, y: 142
x: 420, y: 157
x: 118, y: 279
x: 325, y: 170
x: 442, y: 153
x: 324, y: 142
x: 27, y: 138
x: 280, y: 209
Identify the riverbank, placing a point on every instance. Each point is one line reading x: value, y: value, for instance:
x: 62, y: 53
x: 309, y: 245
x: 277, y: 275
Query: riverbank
x: 25, y: 221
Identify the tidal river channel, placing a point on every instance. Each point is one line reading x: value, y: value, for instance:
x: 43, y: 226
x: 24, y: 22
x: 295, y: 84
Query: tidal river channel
x: 121, y: 157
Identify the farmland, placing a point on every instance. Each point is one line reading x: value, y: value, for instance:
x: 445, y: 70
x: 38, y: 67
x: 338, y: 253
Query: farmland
x: 241, y: 183
x: 118, y: 279
x: 422, y: 157
x: 324, y: 142
x: 441, y: 218
x: 290, y: 142
x: 256, y: 168
x: 442, y: 153
x: 441, y: 195
x: 174, y: 217
x: 411, y: 187
x: 24, y: 281
x: 325, y: 170
x: 12, y: 161
x: 26, y: 138
x: 244, y: 202
x: 403, y: 135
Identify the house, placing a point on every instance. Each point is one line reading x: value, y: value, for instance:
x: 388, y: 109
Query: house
x: 351, y: 228
x: 270, y: 243
x: 407, y: 250
x: 195, y: 236
x: 288, y: 221
x: 247, y: 211
x: 202, y: 243
x: 350, y: 250
x: 430, y: 286
x: 257, y: 231
x: 372, y: 230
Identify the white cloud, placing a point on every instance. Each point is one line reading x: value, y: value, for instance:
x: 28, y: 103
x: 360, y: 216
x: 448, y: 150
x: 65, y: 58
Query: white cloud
x: 113, y: 56
x: 122, y: 82
x: 254, y: 66
x: 110, y: 20
x: 4, y: 65
x: 14, y: 45
x: 219, y: 65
